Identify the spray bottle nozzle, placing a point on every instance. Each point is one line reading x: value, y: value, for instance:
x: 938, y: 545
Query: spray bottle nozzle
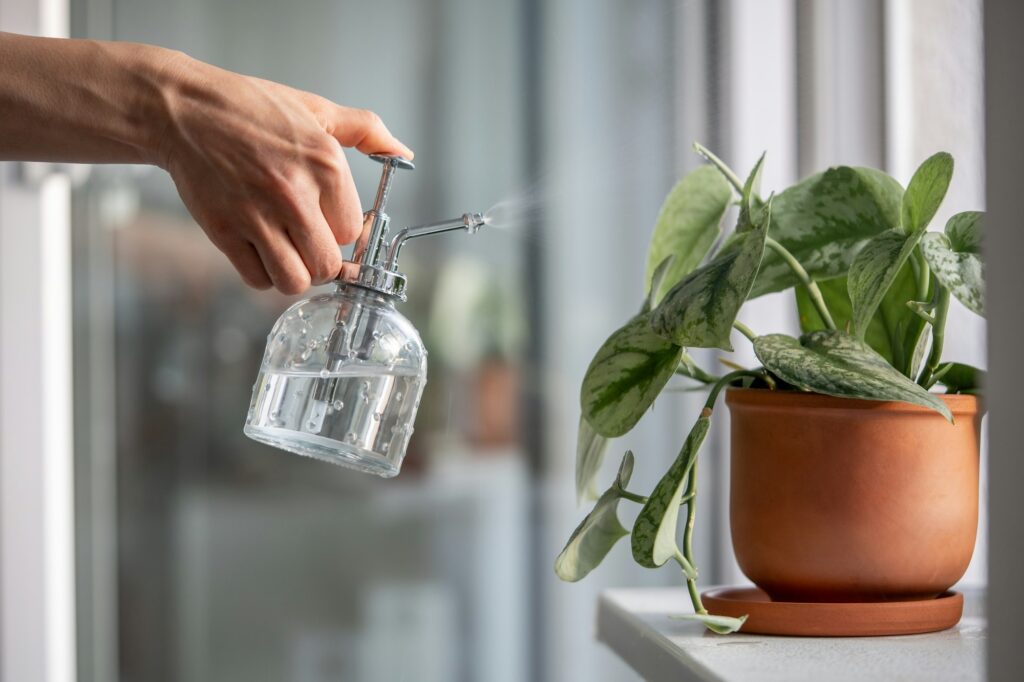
x: 375, y: 267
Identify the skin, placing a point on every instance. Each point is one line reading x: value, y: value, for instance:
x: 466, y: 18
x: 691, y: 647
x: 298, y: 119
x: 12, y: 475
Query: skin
x: 259, y: 165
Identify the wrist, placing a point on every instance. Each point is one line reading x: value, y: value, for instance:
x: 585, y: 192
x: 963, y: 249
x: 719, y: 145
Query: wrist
x: 158, y: 75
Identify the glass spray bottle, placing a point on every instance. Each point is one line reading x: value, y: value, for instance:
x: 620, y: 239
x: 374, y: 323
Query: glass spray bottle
x: 343, y: 372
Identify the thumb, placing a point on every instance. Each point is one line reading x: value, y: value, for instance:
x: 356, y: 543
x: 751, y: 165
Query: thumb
x: 363, y: 129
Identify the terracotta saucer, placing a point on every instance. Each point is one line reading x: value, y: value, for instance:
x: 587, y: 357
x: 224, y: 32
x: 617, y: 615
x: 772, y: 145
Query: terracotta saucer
x: 820, y: 619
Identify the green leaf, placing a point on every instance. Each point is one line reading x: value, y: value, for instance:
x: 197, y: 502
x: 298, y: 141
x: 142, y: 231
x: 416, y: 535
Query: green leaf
x: 722, y: 625
x: 964, y: 231
x: 699, y: 311
x: 873, y: 272
x: 590, y: 543
x: 823, y: 221
x: 655, y: 285
x: 750, y: 202
x: 955, y: 259
x: 590, y: 448
x: 687, y: 227
x: 894, y: 331
x: 837, y: 364
x: 625, y: 377
x: 960, y: 378
x: 925, y: 192
x: 654, y: 533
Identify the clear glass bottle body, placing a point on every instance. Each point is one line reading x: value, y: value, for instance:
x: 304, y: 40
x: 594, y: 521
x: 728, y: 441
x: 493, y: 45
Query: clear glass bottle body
x: 341, y: 381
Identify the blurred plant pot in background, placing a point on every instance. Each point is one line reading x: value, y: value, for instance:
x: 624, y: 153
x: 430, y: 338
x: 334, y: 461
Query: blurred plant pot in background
x: 842, y: 500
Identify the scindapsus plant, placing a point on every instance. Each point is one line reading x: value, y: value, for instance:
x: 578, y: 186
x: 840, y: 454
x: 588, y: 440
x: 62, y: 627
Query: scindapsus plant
x: 872, y: 287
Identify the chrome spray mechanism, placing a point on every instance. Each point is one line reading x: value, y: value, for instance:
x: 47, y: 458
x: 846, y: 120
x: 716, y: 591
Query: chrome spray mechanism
x: 343, y: 372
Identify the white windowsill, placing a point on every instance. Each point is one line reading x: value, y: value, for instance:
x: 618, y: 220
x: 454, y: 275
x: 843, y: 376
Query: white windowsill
x: 635, y: 624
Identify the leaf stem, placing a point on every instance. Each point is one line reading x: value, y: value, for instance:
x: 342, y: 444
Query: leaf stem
x: 923, y: 274
x: 693, y: 371
x: 812, y: 286
x: 720, y: 165
x: 691, y: 516
x: 927, y: 379
x: 744, y: 329
x: 640, y: 499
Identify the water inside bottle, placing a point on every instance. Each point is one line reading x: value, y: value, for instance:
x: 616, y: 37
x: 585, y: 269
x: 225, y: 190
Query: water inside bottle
x: 359, y: 417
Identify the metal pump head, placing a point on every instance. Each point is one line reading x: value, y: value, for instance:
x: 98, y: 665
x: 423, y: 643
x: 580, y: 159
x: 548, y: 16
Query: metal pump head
x: 374, y: 262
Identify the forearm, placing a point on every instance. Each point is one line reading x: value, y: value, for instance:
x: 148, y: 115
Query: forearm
x: 80, y: 100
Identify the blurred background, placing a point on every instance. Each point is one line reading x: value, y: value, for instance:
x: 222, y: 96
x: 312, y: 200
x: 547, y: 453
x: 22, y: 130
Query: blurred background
x: 201, y: 555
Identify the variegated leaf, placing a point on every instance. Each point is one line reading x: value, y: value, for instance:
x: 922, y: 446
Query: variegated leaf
x: 590, y: 449
x: 837, y: 364
x: 722, y: 625
x: 925, y: 192
x: 877, y: 264
x: 895, y: 332
x: 687, y: 226
x: 654, y: 533
x: 700, y: 310
x: 955, y: 259
x: 873, y: 272
x: 625, y: 377
x: 590, y: 543
x: 823, y: 221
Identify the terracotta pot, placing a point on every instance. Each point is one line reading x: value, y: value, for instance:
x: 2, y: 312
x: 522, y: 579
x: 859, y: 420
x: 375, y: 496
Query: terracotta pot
x: 835, y: 499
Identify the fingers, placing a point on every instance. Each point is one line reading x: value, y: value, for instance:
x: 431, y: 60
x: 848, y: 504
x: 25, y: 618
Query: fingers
x: 317, y: 247
x: 365, y: 131
x: 339, y: 202
x: 282, y: 262
x: 246, y: 260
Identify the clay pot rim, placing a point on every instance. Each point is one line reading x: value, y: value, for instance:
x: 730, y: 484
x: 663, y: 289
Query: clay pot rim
x: 958, y: 403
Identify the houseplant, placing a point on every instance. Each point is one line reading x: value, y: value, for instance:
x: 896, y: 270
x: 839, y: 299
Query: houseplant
x: 873, y: 288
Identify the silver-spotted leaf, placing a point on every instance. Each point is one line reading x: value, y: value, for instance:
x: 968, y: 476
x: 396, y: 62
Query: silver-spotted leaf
x: 654, y: 533
x: 874, y: 270
x: 590, y: 449
x: 722, y: 625
x: 626, y: 375
x: 699, y: 311
x: 834, y: 363
x: 965, y: 230
x: 925, y: 192
x: 894, y: 331
x: 823, y: 221
x: 590, y: 543
x: 687, y: 226
x: 955, y: 259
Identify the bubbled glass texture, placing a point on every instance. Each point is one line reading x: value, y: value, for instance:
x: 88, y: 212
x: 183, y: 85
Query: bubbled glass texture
x: 341, y: 381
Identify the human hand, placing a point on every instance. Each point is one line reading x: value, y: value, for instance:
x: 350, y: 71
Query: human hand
x: 260, y: 167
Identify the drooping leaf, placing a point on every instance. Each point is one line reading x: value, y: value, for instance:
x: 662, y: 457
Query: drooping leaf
x: 722, y: 625
x: 925, y: 192
x: 590, y: 543
x: 654, y: 533
x: 625, y: 377
x: 894, y: 331
x: 960, y: 378
x: 837, y: 364
x: 590, y: 449
x: 699, y: 311
x: 688, y: 225
x: 873, y: 272
x: 955, y: 259
x: 823, y: 221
